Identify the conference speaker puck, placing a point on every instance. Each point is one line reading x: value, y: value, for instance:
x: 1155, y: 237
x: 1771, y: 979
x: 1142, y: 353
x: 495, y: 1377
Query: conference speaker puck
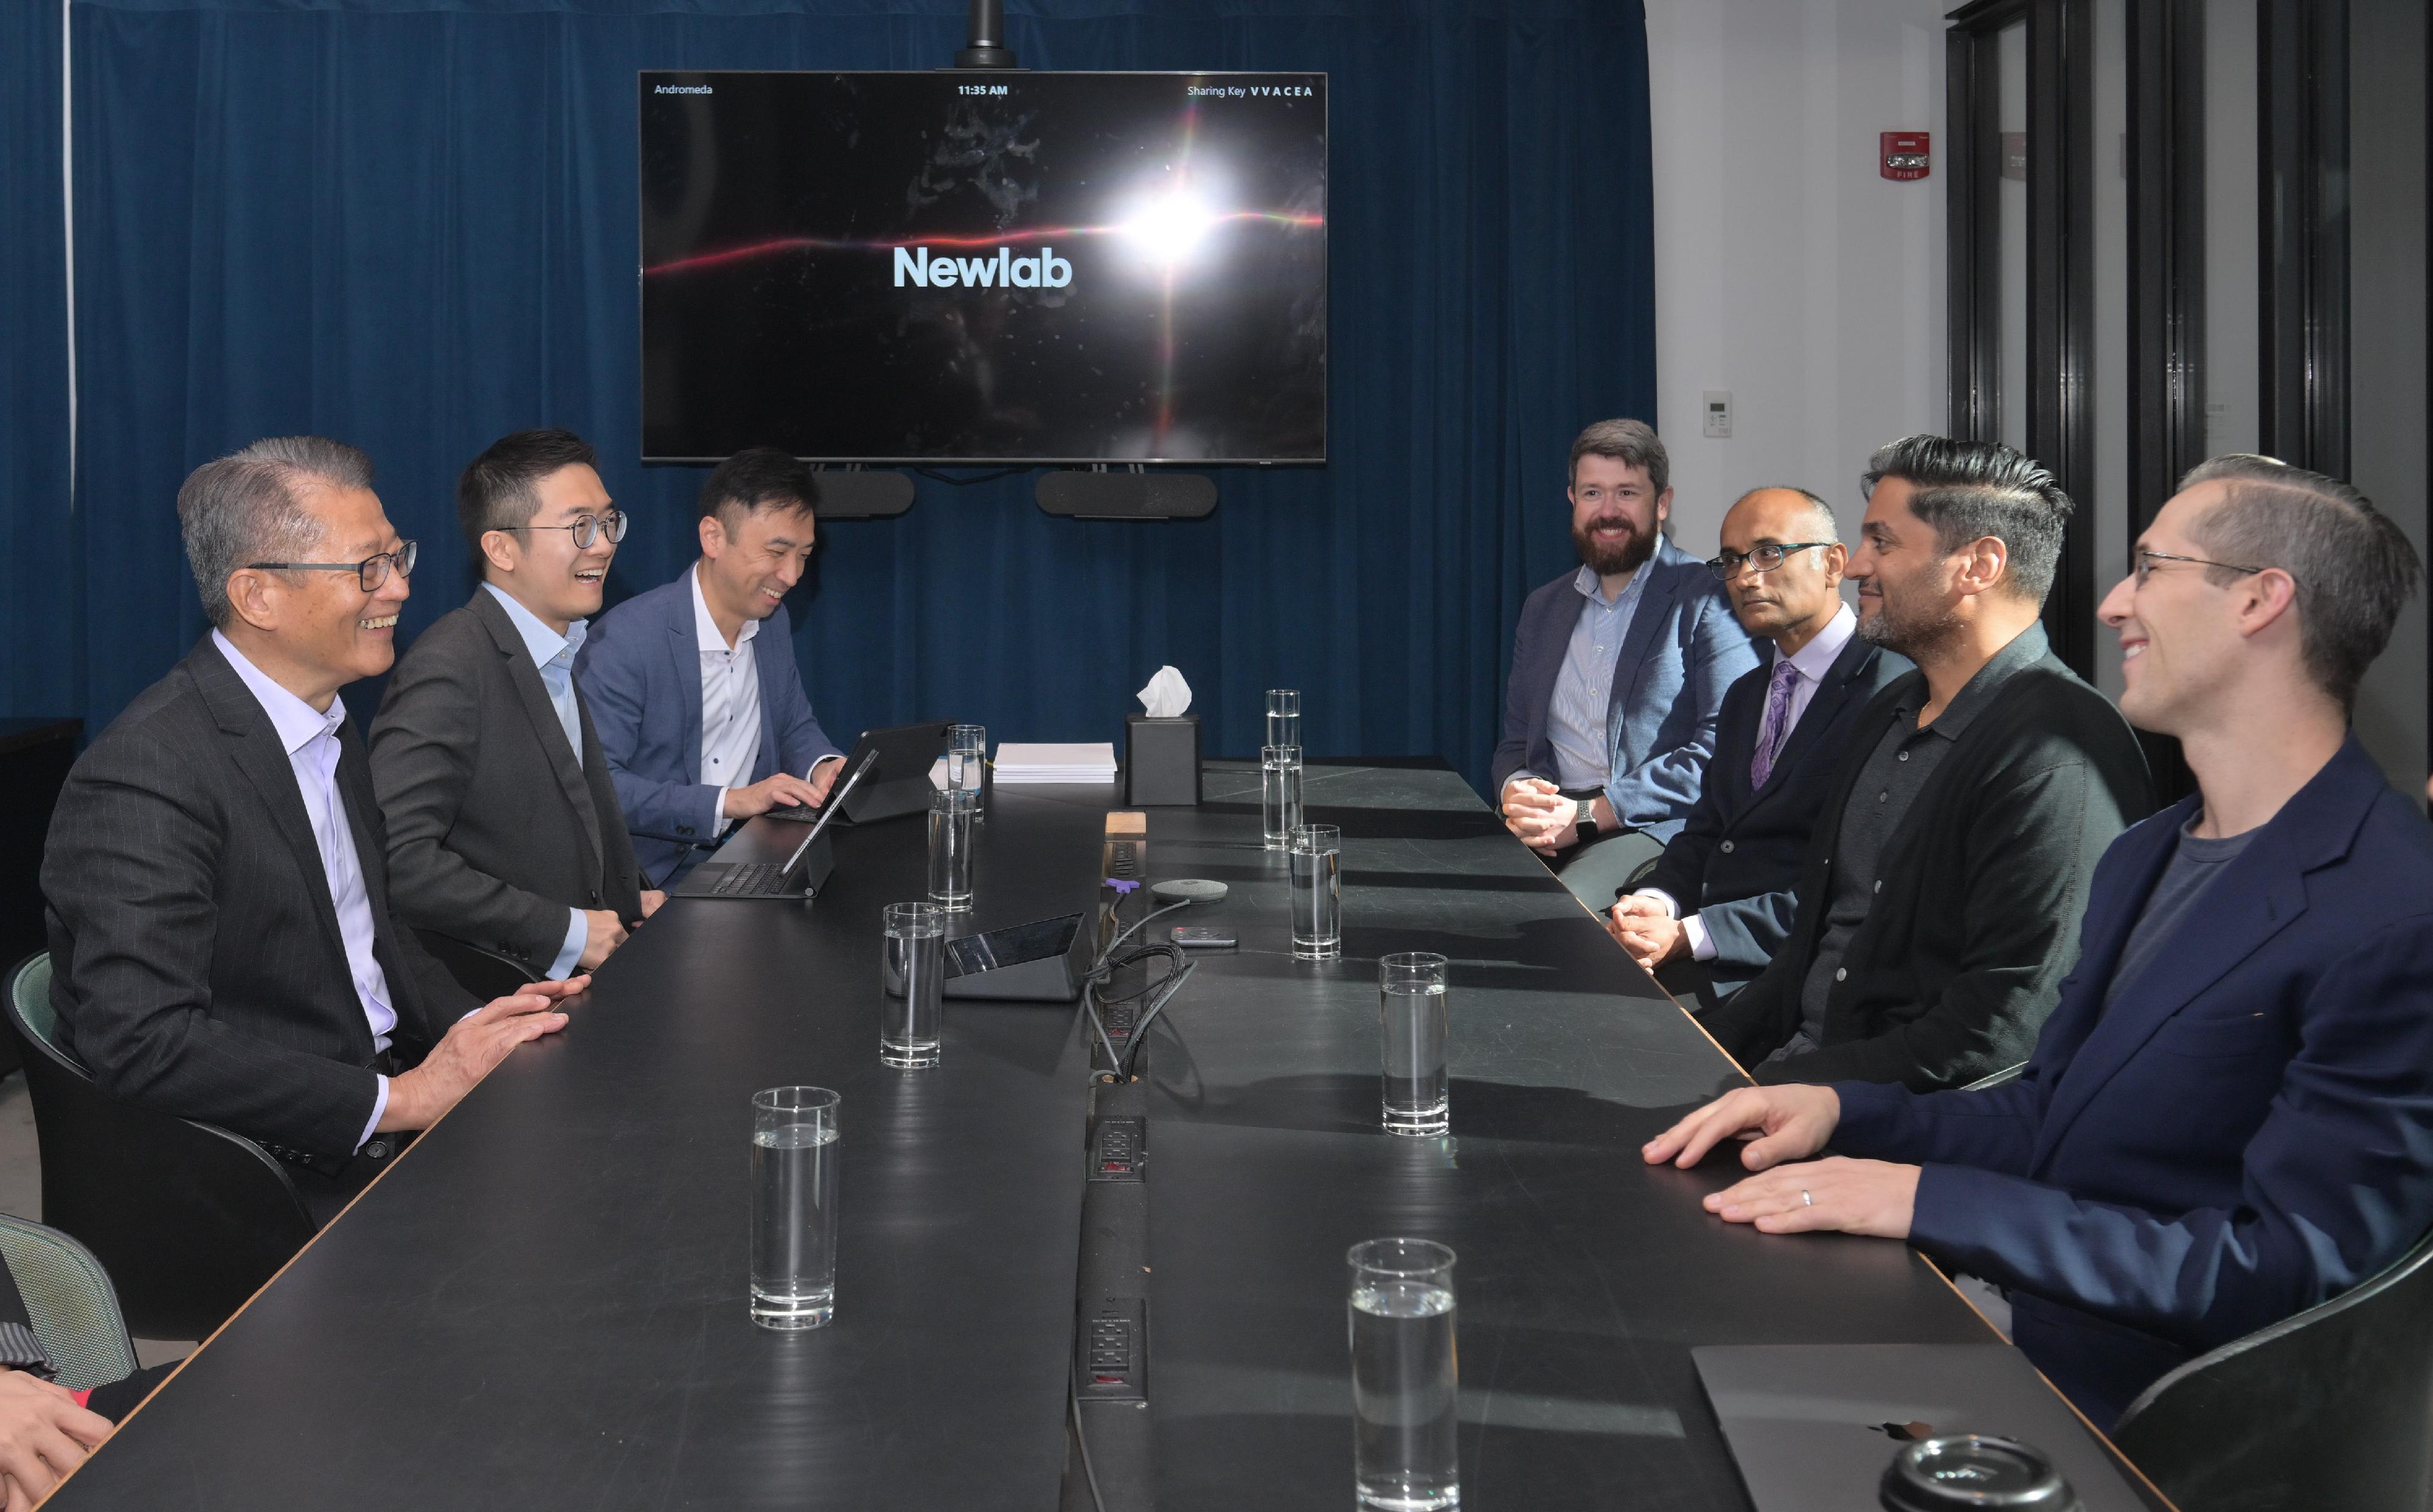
x: 1188, y: 890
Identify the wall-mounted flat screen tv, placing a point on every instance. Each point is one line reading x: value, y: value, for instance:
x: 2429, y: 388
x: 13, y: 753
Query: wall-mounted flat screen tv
x: 964, y: 268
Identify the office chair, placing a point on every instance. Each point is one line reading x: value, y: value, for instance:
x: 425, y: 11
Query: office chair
x: 69, y: 1300
x: 188, y: 1219
x: 486, y: 973
x: 2326, y: 1409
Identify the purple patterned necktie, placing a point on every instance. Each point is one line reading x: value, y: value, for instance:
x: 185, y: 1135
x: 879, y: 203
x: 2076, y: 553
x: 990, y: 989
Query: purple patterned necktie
x: 1776, y: 725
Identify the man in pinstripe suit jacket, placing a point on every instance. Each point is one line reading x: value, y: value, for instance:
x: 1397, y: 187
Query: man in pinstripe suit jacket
x: 222, y: 943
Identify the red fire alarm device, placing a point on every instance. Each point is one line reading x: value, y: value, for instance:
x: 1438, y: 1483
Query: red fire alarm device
x: 1906, y: 155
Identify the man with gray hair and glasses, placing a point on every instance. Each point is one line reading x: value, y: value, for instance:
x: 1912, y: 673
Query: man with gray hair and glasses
x: 2229, y: 1117
x: 223, y: 946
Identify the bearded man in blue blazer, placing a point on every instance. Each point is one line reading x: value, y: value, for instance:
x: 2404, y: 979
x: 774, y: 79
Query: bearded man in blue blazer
x: 2229, y: 1117
x: 1618, y: 672
x: 693, y: 687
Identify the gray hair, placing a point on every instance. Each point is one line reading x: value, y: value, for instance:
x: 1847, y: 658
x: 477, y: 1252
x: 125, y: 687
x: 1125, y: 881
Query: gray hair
x: 245, y: 508
x: 2352, y: 566
x: 1968, y: 490
x: 1627, y: 441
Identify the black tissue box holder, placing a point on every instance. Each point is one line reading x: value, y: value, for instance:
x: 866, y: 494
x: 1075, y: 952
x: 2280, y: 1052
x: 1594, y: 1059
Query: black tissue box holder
x: 1161, y: 762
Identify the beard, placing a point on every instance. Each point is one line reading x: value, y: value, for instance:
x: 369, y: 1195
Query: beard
x: 1913, y: 631
x: 1626, y: 555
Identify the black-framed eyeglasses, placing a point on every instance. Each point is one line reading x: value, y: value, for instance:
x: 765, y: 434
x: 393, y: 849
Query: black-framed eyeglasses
x: 2147, y: 559
x: 586, y: 528
x: 371, y: 572
x: 1764, y: 558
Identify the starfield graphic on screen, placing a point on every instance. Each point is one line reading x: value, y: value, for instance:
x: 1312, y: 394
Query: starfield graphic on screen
x: 985, y: 267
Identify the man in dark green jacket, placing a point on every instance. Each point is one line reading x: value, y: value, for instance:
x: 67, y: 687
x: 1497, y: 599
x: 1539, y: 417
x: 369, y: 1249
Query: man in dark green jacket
x: 1938, y: 909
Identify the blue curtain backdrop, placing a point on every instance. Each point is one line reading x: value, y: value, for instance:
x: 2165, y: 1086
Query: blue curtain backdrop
x: 411, y: 224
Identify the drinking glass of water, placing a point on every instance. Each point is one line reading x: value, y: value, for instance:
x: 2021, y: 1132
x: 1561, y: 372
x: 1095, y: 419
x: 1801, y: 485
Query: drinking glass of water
x: 1279, y: 794
x: 951, y: 812
x: 1412, y: 1020
x: 1317, y: 893
x: 966, y: 757
x: 1405, y: 1394
x: 1284, y: 715
x: 794, y: 1207
x: 913, y: 972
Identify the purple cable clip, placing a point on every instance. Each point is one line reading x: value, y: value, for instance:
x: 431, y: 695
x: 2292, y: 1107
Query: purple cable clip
x: 1123, y: 884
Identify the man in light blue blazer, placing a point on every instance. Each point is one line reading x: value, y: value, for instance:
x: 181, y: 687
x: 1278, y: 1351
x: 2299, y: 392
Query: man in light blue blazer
x: 1618, y: 673
x: 693, y: 687
x: 2229, y: 1115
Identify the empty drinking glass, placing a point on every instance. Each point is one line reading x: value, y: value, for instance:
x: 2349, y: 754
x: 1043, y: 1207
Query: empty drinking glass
x: 1284, y: 715
x: 1405, y: 1387
x: 951, y: 812
x: 1411, y: 1017
x: 1279, y: 793
x: 915, y: 966
x: 794, y: 1207
x: 1317, y: 893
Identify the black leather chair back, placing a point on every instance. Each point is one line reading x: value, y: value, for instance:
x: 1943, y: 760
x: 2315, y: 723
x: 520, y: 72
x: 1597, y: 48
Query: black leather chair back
x: 486, y: 973
x: 188, y: 1218
x: 2330, y: 1408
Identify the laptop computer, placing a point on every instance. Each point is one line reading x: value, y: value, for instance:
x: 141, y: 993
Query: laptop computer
x: 799, y: 876
x: 900, y: 785
x: 1813, y: 1426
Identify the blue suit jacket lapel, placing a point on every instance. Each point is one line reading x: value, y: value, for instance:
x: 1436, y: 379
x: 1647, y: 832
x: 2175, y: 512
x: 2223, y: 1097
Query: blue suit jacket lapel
x: 2256, y: 897
x: 683, y: 647
x: 1653, y: 614
x: 772, y: 649
x: 1830, y: 694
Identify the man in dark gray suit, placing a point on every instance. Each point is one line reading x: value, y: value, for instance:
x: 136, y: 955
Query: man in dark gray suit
x: 223, y: 946
x: 1720, y: 902
x: 503, y: 825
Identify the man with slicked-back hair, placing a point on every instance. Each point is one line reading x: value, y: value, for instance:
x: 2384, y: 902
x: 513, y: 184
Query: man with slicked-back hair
x: 1953, y: 851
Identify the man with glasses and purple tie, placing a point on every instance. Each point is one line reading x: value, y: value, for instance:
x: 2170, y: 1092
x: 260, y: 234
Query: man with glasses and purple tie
x: 503, y: 825
x: 224, y: 944
x: 1940, y: 895
x: 1719, y: 903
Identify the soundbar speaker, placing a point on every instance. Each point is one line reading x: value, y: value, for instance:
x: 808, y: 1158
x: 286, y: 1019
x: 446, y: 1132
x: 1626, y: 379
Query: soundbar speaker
x: 882, y: 494
x: 1126, y: 495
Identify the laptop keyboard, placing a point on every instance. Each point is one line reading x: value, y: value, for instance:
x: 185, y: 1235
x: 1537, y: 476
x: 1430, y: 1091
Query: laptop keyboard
x: 750, y: 877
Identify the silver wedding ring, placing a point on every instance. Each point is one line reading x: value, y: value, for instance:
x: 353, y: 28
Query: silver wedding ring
x: 1805, y: 1199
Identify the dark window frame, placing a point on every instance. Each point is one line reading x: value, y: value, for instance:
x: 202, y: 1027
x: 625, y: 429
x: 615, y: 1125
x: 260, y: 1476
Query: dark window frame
x: 2060, y: 268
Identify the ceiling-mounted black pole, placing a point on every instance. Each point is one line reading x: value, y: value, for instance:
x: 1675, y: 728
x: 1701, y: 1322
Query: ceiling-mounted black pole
x: 987, y: 48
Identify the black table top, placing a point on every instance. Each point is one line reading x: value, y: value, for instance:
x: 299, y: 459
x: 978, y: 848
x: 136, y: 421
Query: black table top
x: 1584, y: 1277
x: 543, y: 1303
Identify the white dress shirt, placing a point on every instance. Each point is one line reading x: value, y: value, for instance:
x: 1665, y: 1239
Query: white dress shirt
x: 309, y: 738
x: 730, y: 702
x: 553, y: 654
x: 1812, y: 662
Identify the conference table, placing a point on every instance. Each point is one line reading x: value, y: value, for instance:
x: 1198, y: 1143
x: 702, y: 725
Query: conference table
x: 543, y: 1304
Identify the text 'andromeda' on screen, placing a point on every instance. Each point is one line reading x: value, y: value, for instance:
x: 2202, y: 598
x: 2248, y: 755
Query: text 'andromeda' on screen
x: 1003, y: 270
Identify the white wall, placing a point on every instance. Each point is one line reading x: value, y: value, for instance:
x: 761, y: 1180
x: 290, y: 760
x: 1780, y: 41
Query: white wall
x: 1787, y: 270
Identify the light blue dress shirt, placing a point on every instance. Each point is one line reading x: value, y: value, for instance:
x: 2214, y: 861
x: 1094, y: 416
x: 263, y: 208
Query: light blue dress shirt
x: 553, y: 654
x: 1576, y: 720
x: 309, y: 738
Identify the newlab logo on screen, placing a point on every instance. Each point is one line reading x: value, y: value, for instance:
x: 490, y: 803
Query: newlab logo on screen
x: 1003, y: 271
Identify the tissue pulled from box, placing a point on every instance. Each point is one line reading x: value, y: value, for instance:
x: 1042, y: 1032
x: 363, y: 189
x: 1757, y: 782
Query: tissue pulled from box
x: 1167, y: 696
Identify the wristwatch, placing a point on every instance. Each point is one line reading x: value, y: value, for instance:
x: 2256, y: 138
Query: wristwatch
x: 1584, y: 819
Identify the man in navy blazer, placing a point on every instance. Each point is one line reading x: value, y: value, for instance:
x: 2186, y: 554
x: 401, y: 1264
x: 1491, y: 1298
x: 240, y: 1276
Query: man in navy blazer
x: 1711, y: 915
x: 693, y: 687
x: 2229, y: 1117
x: 1618, y: 672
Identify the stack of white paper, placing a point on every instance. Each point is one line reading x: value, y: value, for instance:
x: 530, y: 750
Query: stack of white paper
x: 1082, y: 762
